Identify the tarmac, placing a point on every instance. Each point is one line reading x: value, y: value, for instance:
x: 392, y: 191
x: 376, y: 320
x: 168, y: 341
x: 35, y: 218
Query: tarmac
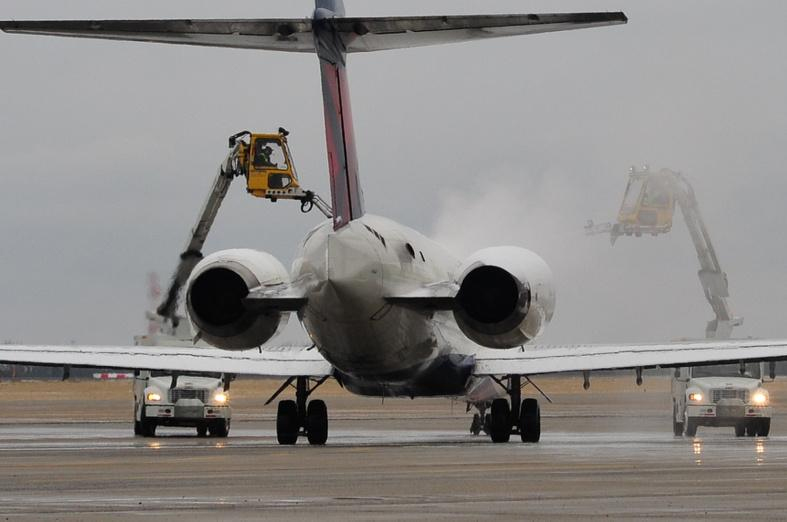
x: 67, y: 452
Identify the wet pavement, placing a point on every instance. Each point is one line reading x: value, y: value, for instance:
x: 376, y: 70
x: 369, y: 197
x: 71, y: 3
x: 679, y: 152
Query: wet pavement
x: 391, y: 462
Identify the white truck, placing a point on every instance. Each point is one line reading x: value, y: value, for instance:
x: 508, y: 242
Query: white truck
x: 199, y: 401
x: 721, y: 395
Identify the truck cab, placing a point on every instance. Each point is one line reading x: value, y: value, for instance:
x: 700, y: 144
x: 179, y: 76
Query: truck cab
x: 169, y: 399
x: 721, y: 395
x: 196, y: 400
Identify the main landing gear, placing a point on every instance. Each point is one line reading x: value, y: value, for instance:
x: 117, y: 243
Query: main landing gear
x: 521, y: 417
x: 295, y: 418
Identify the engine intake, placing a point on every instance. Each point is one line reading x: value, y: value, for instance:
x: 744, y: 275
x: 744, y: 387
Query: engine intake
x: 215, y: 298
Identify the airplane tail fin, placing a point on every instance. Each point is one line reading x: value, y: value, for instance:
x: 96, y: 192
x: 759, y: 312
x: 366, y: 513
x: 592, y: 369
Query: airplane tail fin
x: 331, y: 35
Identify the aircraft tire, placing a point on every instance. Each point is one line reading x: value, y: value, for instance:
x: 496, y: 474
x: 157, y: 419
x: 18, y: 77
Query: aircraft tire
x: 530, y: 421
x: 740, y: 429
x: 500, y: 423
x: 752, y: 428
x: 317, y: 422
x: 202, y: 430
x: 287, y: 422
x: 137, y: 428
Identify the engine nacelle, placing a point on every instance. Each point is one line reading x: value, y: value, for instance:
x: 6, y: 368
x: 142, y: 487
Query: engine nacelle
x: 506, y: 297
x: 215, y: 296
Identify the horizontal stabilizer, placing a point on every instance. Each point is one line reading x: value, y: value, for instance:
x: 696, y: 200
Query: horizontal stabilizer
x: 294, y: 35
x: 379, y: 34
x: 358, y: 34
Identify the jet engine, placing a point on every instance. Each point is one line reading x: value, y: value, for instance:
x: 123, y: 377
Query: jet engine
x: 215, y: 296
x: 506, y: 297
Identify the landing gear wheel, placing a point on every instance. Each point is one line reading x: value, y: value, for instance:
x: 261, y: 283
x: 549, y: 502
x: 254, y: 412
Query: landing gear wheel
x: 317, y: 422
x: 530, y: 421
x: 691, y: 428
x: 764, y: 427
x: 202, y: 430
x: 287, y: 423
x: 220, y: 428
x: 751, y: 428
x: 500, y: 423
x: 487, y: 424
x: 740, y: 429
x: 137, y: 428
x: 476, y: 425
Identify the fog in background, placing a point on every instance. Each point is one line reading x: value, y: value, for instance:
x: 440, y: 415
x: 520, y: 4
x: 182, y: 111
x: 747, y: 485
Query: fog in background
x: 107, y: 150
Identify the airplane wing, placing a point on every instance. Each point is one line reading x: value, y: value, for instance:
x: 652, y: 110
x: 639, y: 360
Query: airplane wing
x: 284, y: 361
x: 359, y: 34
x: 533, y: 360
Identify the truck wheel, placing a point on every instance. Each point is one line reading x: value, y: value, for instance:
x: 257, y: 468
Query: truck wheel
x: 530, y: 421
x: 317, y: 422
x: 740, y: 429
x: 220, y: 428
x: 691, y: 428
x: 500, y: 423
x: 287, y: 422
x: 202, y: 430
x: 751, y: 428
x: 148, y: 427
x: 764, y: 427
x: 137, y: 428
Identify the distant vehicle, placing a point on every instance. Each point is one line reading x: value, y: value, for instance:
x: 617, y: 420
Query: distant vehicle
x: 165, y: 398
x: 721, y: 395
x: 195, y: 401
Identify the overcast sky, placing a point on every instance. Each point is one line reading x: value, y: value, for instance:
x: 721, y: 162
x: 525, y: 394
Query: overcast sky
x: 107, y: 150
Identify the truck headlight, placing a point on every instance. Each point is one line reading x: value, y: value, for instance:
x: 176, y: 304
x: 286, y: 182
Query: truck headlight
x: 220, y: 397
x: 695, y: 397
x: 153, y: 397
x: 760, y: 398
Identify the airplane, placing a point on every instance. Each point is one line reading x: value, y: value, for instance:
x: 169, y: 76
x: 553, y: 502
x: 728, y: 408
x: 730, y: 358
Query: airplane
x: 389, y: 312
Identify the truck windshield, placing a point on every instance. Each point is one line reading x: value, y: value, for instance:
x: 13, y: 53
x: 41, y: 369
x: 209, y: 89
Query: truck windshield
x: 752, y: 370
x: 631, y: 197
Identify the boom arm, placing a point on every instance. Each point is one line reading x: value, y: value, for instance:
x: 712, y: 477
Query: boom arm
x: 192, y: 254
x: 712, y: 278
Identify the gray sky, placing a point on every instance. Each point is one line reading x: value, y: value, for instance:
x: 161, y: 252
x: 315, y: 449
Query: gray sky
x: 107, y: 150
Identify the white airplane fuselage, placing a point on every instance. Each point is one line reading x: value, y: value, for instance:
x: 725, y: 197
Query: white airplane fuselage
x: 347, y: 317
